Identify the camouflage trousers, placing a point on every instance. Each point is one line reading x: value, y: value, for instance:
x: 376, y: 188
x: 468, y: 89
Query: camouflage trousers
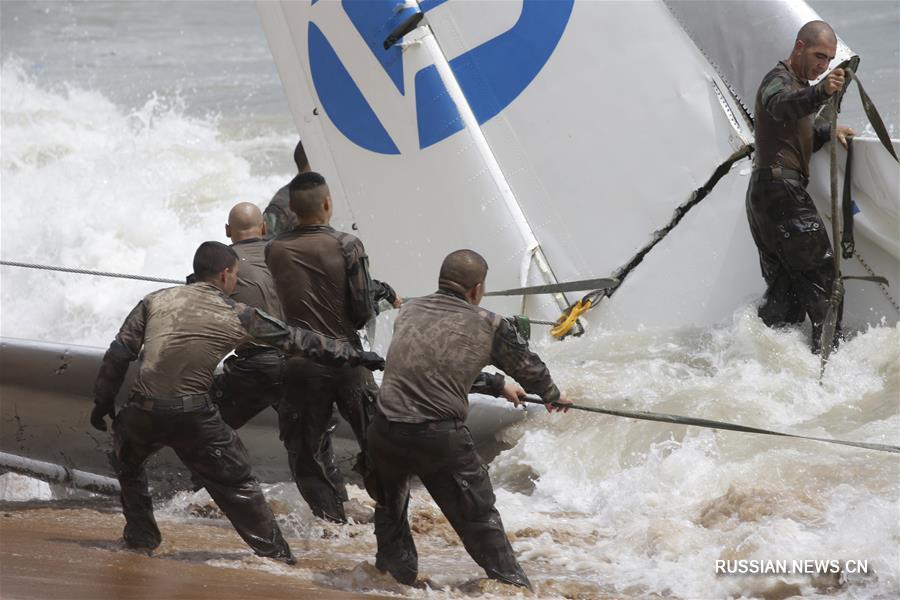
x: 442, y: 454
x: 795, y: 254
x: 305, y: 426
x: 216, y: 458
x: 251, y: 381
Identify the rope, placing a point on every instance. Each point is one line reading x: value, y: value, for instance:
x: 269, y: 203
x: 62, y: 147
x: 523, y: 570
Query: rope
x: 826, y: 342
x: 829, y: 326
x: 848, y: 243
x: 698, y: 195
x: 593, y: 298
x: 10, y: 263
x: 708, y: 423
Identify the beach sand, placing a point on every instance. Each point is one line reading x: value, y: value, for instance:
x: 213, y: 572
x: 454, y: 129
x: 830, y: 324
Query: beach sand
x: 70, y: 551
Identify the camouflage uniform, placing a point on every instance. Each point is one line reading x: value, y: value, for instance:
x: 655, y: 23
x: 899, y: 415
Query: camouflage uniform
x: 252, y: 379
x: 184, y: 332
x: 794, y: 250
x: 278, y: 214
x: 280, y: 219
x: 440, y: 344
x: 323, y: 282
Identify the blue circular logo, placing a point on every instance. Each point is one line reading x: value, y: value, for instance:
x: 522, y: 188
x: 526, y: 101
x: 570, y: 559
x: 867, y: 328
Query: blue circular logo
x: 491, y: 75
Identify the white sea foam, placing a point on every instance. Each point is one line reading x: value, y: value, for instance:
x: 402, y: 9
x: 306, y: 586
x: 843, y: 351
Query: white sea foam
x: 650, y: 507
x: 19, y: 488
x: 89, y: 185
x: 627, y: 508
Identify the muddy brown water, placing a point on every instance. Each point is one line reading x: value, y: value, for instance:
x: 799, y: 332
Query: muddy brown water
x: 73, y: 552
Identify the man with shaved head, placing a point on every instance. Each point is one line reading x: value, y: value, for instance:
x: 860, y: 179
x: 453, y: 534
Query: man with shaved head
x: 440, y: 344
x: 322, y: 279
x: 251, y: 380
x: 794, y: 250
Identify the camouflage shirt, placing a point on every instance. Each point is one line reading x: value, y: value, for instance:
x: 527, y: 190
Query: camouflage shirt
x: 185, y: 331
x: 278, y: 214
x: 441, y: 342
x: 787, y: 132
x: 322, y: 278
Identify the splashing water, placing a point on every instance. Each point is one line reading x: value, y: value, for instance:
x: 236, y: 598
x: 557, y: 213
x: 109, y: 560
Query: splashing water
x: 598, y: 506
x: 656, y: 505
x: 89, y: 185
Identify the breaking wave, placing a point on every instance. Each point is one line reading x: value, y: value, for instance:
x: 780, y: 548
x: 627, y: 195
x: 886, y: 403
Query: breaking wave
x: 87, y: 184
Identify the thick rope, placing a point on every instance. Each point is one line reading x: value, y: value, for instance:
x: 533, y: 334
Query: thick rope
x: 564, y: 323
x: 681, y: 420
x: 699, y: 194
x: 11, y: 263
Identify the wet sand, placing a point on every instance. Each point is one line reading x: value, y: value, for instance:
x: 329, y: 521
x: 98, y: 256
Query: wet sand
x: 71, y: 548
x: 73, y: 552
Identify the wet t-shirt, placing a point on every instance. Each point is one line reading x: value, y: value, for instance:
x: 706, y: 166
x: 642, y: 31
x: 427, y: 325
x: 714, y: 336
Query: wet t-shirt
x: 440, y: 344
x: 787, y: 132
x: 182, y: 333
x: 322, y: 280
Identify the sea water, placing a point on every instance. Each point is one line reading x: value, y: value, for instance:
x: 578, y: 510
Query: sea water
x: 130, y: 129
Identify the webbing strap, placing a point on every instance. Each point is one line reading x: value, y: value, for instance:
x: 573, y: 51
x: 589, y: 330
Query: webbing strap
x: 874, y: 117
x: 848, y: 245
x: 593, y: 297
x: 711, y: 424
x: 871, y: 278
x: 605, y: 283
x: 829, y: 324
x: 699, y: 194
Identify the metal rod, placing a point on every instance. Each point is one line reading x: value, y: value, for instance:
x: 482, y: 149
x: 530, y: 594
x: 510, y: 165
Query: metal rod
x: 53, y: 473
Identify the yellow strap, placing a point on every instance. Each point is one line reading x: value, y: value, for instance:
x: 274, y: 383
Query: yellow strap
x: 566, y: 321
